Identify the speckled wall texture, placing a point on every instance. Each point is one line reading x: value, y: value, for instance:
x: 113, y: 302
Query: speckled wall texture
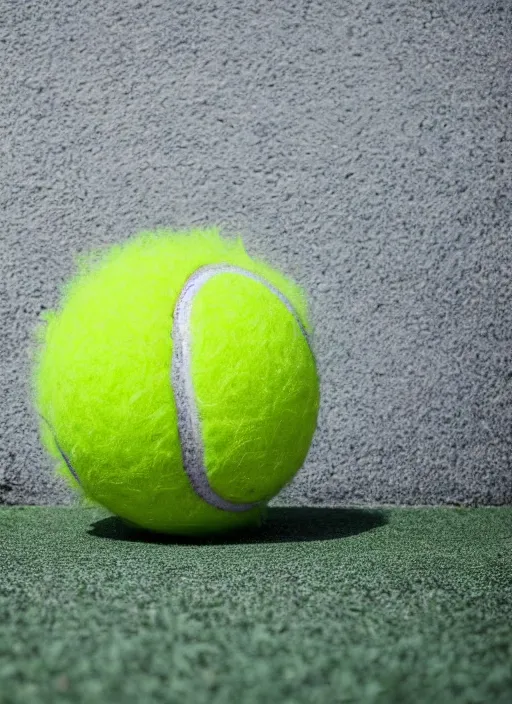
x: 362, y: 147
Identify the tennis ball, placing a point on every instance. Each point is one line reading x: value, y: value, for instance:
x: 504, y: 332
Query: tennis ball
x: 176, y: 383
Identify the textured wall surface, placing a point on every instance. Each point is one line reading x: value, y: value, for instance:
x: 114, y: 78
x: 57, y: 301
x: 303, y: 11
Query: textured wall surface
x: 363, y: 147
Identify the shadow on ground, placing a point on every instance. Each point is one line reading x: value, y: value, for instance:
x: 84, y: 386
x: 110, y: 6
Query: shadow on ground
x: 291, y: 524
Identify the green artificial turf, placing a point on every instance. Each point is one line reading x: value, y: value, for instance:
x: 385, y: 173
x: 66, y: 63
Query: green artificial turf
x: 322, y: 605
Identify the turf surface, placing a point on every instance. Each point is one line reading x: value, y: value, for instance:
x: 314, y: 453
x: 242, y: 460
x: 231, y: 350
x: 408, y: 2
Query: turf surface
x: 322, y: 605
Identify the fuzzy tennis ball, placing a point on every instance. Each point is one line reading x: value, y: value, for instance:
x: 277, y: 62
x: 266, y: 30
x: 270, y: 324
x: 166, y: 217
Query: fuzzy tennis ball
x: 176, y: 384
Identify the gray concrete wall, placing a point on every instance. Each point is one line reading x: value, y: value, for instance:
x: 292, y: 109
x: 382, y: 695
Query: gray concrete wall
x: 363, y: 147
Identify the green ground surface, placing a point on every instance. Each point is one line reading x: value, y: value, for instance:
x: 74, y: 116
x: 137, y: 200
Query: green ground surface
x: 321, y: 606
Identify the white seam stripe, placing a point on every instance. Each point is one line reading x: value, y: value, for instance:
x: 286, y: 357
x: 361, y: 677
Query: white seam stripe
x: 189, y: 424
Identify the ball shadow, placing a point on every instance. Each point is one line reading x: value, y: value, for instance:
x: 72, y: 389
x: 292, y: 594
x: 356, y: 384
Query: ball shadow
x: 283, y: 524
